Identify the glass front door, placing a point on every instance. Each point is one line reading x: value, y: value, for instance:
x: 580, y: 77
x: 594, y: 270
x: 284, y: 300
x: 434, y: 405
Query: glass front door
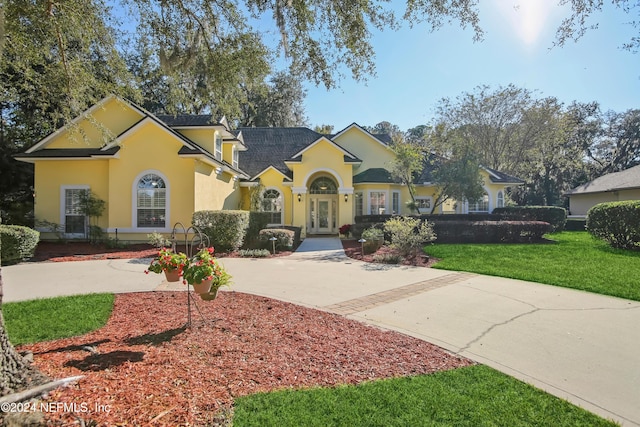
x: 322, y: 215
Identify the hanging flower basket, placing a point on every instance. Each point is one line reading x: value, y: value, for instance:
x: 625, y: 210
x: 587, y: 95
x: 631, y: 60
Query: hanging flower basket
x: 205, y: 274
x: 172, y: 276
x: 202, y: 287
x: 210, y: 296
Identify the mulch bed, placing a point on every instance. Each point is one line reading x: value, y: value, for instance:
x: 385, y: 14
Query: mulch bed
x: 148, y: 369
x: 353, y: 249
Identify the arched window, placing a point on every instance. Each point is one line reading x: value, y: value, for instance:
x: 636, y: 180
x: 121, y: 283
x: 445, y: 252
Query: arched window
x: 500, y: 201
x: 272, y: 203
x: 481, y: 205
x: 151, y: 202
x: 323, y: 185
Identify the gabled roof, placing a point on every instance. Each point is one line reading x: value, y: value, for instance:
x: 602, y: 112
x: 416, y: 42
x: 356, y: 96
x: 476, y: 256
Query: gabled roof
x: 347, y: 154
x: 498, y: 177
x: 377, y: 175
x: 625, y: 180
x: 272, y: 146
x: 383, y: 139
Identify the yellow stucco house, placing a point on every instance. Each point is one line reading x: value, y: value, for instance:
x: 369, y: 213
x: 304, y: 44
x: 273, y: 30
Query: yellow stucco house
x: 154, y: 171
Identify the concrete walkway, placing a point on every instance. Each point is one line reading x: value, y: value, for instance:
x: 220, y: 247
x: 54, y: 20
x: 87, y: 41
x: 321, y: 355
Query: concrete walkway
x: 576, y: 345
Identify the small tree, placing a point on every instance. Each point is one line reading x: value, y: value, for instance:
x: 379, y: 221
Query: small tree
x: 408, y: 161
x: 457, y: 178
x: 93, y: 207
x: 409, y: 235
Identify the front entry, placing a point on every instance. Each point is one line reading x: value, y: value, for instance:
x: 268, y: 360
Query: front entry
x: 322, y: 215
x: 323, y: 206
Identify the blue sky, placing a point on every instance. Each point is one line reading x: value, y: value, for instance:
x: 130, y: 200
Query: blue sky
x: 417, y: 67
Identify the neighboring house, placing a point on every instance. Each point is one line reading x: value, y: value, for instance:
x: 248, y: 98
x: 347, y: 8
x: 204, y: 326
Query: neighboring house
x: 613, y: 187
x: 154, y: 171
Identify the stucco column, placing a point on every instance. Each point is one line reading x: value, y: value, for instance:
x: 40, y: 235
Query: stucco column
x: 345, y: 206
x: 300, y: 205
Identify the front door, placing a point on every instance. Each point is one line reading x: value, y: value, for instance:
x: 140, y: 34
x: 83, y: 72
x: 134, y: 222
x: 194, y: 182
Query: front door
x: 321, y: 215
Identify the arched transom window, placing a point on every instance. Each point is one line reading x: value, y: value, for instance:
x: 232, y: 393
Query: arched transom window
x: 272, y: 203
x: 151, y: 201
x: 323, y: 185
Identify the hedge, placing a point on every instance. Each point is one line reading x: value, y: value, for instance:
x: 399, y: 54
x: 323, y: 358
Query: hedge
x: 618, y: 223
x: 490, y: 231
x: 226, y: 229
x: 554, y: 215
x: 284, y: 238
x: 257, y: 221
x: 18, y: 243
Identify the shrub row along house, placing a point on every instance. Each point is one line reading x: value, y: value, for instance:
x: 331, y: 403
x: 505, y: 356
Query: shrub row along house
x: 154, y: 171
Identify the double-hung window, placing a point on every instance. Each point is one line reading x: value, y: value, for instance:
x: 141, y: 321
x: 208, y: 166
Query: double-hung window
x: 377, y: 203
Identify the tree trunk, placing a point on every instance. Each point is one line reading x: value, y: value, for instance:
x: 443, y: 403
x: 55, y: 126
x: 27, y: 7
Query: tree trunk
x: 16, y: 374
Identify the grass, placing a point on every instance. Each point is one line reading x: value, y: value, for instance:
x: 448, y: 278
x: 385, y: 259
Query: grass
x: 54, y: 318
x: 576, y: 260
x: 472, y: 396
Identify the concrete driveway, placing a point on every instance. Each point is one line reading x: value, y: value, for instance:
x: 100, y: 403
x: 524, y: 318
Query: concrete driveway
x: 576, y: 345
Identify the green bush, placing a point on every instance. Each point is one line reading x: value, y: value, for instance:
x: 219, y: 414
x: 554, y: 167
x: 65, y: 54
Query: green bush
x: 388, y: 258
x: 618, y: 223
x: 490, y: 231
x: 374, y: 237
x: 408, y: 235
x: 284, y: 238
x: 18, y: 243
x: 226, y: 229
x: 257, y: 221
x: 554, y: 215
x: 254, y: 253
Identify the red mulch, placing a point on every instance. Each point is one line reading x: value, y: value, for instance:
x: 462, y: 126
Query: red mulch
x: 149, y: 369
x: 83, y: 251
x: 353, y: 249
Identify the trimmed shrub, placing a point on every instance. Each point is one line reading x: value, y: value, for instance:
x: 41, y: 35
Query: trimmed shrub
x: 18, y: 243
x: 392, y: 258
x: 257, y: 221
x: 254, y: 253
x: 374, y: 237
x: 490, y: 231
x: 225, y: 229
x: 408, y: 235
x: 618, y: 223
x: 297, y: 231
x: 284, y: 238
x: 554, y: 215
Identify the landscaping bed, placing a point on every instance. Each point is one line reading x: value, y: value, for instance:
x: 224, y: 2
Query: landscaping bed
x: 144, y: 367
x: 353, y: 249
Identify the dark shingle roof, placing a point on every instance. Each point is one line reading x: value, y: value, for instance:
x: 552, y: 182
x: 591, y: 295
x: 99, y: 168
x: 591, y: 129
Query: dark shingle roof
x: 502, y: 178
x: 187, y: 119
x: 272, y: 146
x: 380, y: 175
x: 624, y: 180
x: 69, y: 153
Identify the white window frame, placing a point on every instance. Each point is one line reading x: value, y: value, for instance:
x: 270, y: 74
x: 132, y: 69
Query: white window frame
x: 424, y: 210
x: 474, y: 204
x: 134, y: 204
x: 234, y: 157
x: 500, y: 199
x: 386, y: 201
x: 218, y: 146
x: 63, y: 212
x: 281, y: 205
x: 358, y: 200
x: 396, y: 205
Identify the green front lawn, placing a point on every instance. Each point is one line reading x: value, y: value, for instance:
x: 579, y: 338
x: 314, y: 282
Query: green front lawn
x: 576, y: 260
x: 472, y: 396
x: 54, y: 318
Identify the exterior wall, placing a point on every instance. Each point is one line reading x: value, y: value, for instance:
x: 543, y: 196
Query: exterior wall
x: 579, y: 204
x: 52, y: 176
x: 114, y: 115
x: 372, y: 153
x: 150, y: 150
x: 214, y: 191
x: 322, y: 159
x: 204, y: 137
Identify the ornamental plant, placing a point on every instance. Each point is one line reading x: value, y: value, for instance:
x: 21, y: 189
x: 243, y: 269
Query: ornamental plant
x: 168, y: 260
x: 345, y: 229
x: 204, y: 266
